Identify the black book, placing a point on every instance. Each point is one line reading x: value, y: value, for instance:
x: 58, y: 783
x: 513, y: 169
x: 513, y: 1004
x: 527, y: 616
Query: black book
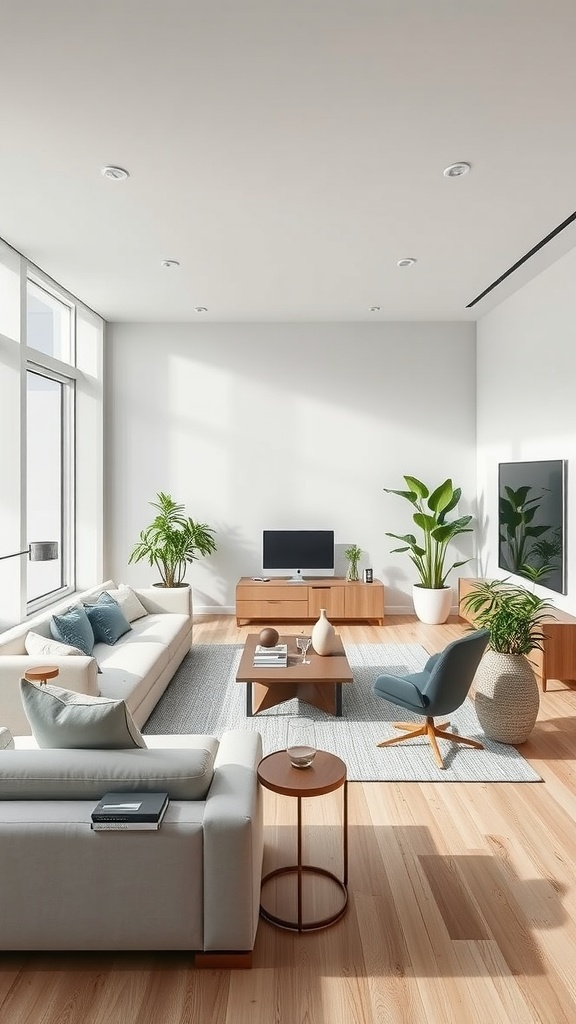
x: 134, y: 808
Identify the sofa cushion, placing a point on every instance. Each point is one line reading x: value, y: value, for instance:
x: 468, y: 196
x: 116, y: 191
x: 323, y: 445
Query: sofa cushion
x: 35, y: 643
x: 73, y: 628
x: 107, y: 619
x: 64, y: 718
x: 185, y: 774
x: 129, y: 602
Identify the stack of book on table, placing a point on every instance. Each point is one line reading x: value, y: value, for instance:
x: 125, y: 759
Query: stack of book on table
x: 264, y: 657
x: 129, y: 811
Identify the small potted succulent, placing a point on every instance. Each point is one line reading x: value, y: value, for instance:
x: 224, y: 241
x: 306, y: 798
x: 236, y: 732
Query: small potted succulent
x: 172, y: 541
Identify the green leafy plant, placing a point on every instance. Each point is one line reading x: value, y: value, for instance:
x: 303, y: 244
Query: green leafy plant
x: 432, y: 508
x: 512, y: 614
x: 353, y: 554
x: 172, y: 541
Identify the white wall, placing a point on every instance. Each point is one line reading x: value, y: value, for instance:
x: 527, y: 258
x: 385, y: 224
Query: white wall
x: 285, y: 425
x: 526, y: 399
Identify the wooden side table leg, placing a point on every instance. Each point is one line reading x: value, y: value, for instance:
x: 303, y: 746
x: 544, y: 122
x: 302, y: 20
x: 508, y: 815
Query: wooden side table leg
x: 299, y: 862
x: 345, y: 830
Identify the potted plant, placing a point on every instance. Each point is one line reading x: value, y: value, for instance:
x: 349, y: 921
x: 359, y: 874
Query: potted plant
x: 353, y: 554
x: 506, y: 692
x: 432, y: 597
x: 172, y: 541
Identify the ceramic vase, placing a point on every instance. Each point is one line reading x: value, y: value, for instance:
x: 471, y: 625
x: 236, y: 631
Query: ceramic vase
x: 323, y: 634
x: 506, y: 697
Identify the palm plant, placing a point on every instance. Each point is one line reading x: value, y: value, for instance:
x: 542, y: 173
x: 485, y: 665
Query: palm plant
x: 429, y: 553
x: 172, y: 541
x: 512, y: 614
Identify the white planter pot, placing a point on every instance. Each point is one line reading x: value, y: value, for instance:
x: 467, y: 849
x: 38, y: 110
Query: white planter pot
x: 432, y: 606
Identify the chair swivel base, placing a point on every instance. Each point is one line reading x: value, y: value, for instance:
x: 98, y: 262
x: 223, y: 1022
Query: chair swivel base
x: 432, y: 732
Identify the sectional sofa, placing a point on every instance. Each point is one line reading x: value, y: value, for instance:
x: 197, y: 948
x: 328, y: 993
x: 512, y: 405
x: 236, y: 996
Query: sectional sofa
x: 137, y: 668
x: 194, y: 884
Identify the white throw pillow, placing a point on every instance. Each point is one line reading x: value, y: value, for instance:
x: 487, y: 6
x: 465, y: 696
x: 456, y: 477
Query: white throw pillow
x: 35, y: 643
x: 129, y: 602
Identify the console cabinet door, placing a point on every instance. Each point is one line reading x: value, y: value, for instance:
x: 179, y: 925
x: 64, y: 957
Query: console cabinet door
x: 364, y: 601
x: 326, y: 596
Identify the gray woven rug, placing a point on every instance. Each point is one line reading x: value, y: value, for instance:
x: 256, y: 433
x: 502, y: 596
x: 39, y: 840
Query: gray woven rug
x: 204, y: 697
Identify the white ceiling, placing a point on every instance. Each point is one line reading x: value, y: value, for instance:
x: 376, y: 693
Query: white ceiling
x: 287, y: 152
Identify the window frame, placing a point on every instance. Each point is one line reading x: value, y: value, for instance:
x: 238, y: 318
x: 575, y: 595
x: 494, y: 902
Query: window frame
x: 65, y: 374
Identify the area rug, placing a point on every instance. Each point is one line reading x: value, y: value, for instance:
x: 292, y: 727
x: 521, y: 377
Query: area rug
x: 203, y: 697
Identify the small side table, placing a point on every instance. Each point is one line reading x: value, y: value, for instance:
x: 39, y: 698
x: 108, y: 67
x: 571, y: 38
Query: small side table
x: 41, y: 674
x: 326, y: 774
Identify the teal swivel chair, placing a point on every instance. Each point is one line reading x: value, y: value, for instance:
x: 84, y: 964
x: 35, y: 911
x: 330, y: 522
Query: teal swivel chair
x: 440, y: 688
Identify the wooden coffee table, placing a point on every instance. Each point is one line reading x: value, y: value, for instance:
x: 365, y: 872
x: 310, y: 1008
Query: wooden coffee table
x: 319, y: 683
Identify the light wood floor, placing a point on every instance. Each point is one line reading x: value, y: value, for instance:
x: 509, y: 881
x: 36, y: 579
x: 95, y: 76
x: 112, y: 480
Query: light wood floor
x: 462, y: 906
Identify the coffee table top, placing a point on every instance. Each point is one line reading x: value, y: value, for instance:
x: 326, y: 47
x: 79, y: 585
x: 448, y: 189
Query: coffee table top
x: 322, y: 669
x: 326, y: 773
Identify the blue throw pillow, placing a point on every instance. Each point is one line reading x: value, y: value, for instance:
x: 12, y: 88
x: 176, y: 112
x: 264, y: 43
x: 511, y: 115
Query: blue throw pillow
x: 73, y: 627
x: 107, y: 619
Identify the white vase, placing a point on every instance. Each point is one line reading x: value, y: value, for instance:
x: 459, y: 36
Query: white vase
x: 323, y: 634
x: 432, y: 605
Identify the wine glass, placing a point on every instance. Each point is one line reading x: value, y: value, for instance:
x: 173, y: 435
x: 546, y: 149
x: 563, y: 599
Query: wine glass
x: 301, y: 742
x: 302, y: 644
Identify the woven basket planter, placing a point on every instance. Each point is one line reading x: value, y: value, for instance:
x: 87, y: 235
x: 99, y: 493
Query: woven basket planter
x: 506, y: 697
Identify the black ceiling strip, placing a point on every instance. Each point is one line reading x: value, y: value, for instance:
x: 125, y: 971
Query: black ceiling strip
x: 519, y: 262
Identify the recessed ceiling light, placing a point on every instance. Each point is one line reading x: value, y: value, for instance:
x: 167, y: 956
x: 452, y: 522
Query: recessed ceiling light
x: 456, y: 170
x: 201, y: 309
x: 169, y: 263
x: 114, y: 173
x: 407, y: 261
x: 375, y: 309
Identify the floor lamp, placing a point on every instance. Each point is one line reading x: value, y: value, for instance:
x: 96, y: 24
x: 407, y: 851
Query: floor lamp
x: 37, y: 551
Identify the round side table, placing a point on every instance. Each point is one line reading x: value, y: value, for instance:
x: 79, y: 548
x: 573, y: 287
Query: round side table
x: 326, y: 774
x: 41, y: 674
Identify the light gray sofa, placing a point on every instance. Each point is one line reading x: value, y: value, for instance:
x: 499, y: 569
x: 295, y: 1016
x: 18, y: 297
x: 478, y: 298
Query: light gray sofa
x: 192, y: 885
x: 137, y: 668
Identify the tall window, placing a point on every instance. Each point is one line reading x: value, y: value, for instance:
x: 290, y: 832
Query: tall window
x: 51, y: 439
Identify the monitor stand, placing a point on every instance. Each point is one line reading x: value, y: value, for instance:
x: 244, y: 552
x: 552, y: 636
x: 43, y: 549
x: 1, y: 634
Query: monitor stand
x: 297, y: 577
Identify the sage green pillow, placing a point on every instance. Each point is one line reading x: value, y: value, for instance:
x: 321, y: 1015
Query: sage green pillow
x: 64, y: 718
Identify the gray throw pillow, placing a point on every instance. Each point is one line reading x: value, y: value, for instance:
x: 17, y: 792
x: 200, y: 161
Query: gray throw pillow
x: 64, y: 718
x: 73, y: 628
x: 107, y: 619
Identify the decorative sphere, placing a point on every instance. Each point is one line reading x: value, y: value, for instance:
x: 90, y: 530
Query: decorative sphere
x: 268, y: 637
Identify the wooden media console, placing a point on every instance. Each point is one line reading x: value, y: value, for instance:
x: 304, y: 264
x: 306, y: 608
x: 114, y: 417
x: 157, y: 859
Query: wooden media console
x: 276, y: 600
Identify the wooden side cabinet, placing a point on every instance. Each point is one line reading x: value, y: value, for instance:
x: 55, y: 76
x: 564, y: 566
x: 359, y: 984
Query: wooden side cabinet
x: 558, y: 658
x: 280, y: 601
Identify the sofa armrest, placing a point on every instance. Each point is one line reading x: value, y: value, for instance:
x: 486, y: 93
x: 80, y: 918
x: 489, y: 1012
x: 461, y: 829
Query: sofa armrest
x: 233, y: 844
x: 166, y: 599
x: 77, y: 672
